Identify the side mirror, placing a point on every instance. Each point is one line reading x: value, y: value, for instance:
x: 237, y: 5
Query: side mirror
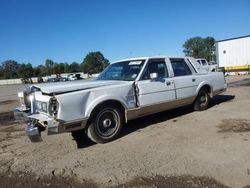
x: 153, y: 76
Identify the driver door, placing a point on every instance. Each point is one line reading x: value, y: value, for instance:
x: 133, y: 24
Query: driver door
x: 154, y: 94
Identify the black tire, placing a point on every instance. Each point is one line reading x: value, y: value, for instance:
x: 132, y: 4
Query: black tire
x: 202, y: 100
x: 106, y: 124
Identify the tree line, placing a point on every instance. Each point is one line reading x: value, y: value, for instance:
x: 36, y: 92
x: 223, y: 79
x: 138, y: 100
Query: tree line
x: 94, y: 62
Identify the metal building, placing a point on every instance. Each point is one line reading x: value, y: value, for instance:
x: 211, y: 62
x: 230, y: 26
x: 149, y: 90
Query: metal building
x: 234, y: 54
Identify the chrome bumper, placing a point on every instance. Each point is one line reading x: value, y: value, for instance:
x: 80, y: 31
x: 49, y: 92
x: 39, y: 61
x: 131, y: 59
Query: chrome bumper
x: 33, y: 130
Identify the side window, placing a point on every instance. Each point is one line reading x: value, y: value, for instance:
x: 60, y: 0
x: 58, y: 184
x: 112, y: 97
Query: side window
x: 155, y: 66
x: 180, y: 67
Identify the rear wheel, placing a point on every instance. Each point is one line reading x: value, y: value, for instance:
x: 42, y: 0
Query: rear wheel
x: 106, y: 124
x: 202, y: 100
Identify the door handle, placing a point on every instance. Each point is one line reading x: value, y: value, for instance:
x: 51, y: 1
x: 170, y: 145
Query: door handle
x: 193, y: 80
x: 168, y: 83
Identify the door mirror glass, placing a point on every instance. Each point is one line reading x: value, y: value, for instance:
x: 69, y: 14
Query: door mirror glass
x: 153, y: 76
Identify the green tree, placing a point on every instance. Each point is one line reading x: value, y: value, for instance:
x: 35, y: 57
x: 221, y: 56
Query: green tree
x: 199, y: 47
x: 58, y: 69
x: 49, y: 64
x: 9, y: 69
x: 1, y: 72
x: 210, y: 41
x: 74, y: 67
x: 21, y: 70
x: 40, y: 70
x: 25, y: 70
x: 94, y: 62
x: 61, y: 68
x: 66, y: 68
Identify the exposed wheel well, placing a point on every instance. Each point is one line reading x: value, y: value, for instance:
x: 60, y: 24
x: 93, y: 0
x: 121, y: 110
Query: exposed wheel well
x: 106, y: 103
x: 208, y: 89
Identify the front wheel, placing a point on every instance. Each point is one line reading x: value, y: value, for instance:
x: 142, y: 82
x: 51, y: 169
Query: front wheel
x: 106, y: 124
x: 202, y: 100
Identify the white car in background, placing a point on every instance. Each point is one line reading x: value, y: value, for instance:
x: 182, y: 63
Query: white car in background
x: 72, y: 77
x: 210, y: 67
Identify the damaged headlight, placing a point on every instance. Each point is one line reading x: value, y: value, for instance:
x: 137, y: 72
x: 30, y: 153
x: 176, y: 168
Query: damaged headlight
x: 41, y: 106
x: 25, y: 101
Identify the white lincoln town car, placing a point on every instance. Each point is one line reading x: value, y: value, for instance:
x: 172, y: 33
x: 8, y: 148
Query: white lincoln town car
x: 125, y: 90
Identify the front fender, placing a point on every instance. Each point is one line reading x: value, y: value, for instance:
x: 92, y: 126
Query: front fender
x: 91, y: 106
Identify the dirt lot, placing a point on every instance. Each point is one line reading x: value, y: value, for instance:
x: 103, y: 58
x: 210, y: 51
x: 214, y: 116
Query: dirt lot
x: 177, y: 148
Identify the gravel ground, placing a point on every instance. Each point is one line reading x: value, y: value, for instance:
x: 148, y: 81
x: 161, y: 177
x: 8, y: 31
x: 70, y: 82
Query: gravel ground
x: 177, y: 148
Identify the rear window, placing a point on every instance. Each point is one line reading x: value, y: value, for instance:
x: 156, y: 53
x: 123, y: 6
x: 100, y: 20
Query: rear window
x: 180, y: 67
x: 203, y: 62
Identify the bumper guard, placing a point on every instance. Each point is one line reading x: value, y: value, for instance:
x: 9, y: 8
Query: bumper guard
x: 33, y: 129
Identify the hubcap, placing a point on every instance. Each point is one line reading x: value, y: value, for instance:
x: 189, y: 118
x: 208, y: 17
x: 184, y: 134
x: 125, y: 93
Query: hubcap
x: 203, y: 98
x: 107, y: 122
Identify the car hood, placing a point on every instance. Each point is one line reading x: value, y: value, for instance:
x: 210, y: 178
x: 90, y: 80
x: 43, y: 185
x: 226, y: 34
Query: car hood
x: 71, y: 86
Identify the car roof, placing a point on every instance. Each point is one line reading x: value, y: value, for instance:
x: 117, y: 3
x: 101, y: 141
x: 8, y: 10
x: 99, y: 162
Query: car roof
x: 149, y: 57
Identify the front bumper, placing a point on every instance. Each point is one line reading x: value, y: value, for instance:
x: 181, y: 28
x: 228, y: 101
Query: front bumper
x: 36, y: 123
x: 31, y: 130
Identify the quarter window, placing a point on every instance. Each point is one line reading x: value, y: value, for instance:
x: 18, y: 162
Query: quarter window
x: 180, y: 67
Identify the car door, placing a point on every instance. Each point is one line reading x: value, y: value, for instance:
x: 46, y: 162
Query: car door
x: 184, y: 79
x: 155, y: 93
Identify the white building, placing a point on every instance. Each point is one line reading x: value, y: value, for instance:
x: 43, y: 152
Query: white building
x: 234, y: 54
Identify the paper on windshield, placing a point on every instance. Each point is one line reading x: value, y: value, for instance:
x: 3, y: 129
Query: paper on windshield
x: 135, y: 62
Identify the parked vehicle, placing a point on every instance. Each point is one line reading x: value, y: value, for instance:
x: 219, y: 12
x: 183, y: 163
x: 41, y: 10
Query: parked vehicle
x: 40, y: 79
x: 52, y: 80
x: 211, y: 66
x: 125, y: 90
x: 72, y: 77
x: 27, y: 80
x: 63, y: 79
x: 59, y: 79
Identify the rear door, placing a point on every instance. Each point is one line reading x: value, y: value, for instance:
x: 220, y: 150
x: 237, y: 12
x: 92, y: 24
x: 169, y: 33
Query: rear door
x: 157, y: 91
x: 184, y: 79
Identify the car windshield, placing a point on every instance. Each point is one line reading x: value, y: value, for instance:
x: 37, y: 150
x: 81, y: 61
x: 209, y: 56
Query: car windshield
x: 126, y: 70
